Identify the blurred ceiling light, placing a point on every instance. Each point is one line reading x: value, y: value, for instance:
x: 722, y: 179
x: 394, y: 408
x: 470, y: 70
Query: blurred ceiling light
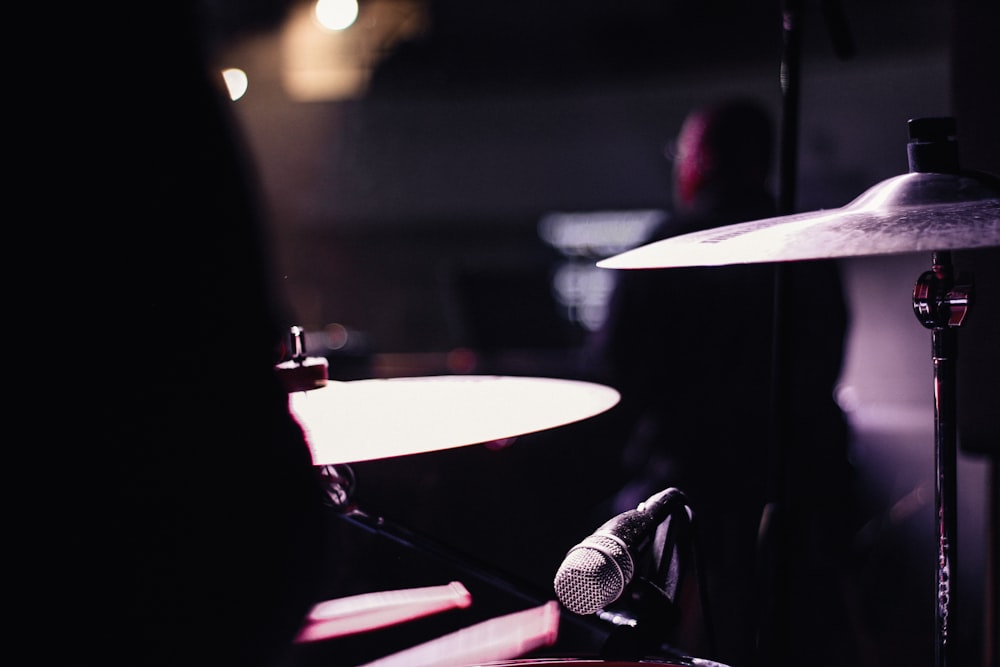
x: 236, y: 82
x: 321, y: 64
x: 336, y: 14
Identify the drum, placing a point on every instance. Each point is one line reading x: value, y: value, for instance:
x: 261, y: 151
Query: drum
x: 491, y: 643
x: 595, y: 662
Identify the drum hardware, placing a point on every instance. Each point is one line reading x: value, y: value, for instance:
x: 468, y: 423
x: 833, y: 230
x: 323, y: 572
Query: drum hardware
x: 618, y: 634
x: 594, y: 662
x: 370, y: 611
x: 340, y: 479
x: 936, y: 207
x: 499, y: 638
x: 501, y: 407
x: 331, y: 413
x: 348, y: 422
x: 596, y: 571
x: 600, y: 628
x: 362, y: 420
x: 656, y: 543
x: 297, y: 370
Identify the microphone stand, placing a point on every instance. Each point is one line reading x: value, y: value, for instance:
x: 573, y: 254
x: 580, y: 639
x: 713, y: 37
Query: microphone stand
x: 772, y: 534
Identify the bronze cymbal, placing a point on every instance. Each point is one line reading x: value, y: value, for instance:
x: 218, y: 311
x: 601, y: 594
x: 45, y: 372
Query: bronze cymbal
x: 360, y: 420
x: 913, y: 212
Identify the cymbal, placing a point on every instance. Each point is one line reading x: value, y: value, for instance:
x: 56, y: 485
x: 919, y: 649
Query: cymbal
x: 361, y: 420
x: 913, y: 212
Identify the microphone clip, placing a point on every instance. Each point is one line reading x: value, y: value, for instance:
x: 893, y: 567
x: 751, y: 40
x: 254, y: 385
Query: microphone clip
x: 651, y: 599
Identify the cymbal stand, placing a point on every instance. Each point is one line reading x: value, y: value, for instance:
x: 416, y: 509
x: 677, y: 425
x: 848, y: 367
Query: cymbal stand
x: 941, y: 301
x: 941, y: 306
x: 773, y: 619
x: 300, y: 372
x: 339, y: 483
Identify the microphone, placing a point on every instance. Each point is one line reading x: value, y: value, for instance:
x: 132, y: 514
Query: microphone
x: 595, y: 572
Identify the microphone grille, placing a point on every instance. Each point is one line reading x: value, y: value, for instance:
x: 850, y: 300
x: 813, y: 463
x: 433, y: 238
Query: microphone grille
x: 593, y: 574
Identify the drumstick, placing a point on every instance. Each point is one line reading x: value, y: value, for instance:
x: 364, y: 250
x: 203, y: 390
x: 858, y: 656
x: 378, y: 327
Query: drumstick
x: 500, y: 638
x: 370, y: 611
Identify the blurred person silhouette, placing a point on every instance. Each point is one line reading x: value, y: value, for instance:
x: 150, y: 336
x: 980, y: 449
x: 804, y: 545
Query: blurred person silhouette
x: 690, y: 350
x: 177, y: 519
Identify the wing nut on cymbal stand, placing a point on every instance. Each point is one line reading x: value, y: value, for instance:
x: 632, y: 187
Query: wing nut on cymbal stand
x: 938, y: 302
x: 300, y: 372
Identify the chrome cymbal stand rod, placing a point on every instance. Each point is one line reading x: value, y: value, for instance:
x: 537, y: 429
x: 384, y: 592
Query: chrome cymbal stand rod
x: 941, y: 301
x: 941, y: 306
